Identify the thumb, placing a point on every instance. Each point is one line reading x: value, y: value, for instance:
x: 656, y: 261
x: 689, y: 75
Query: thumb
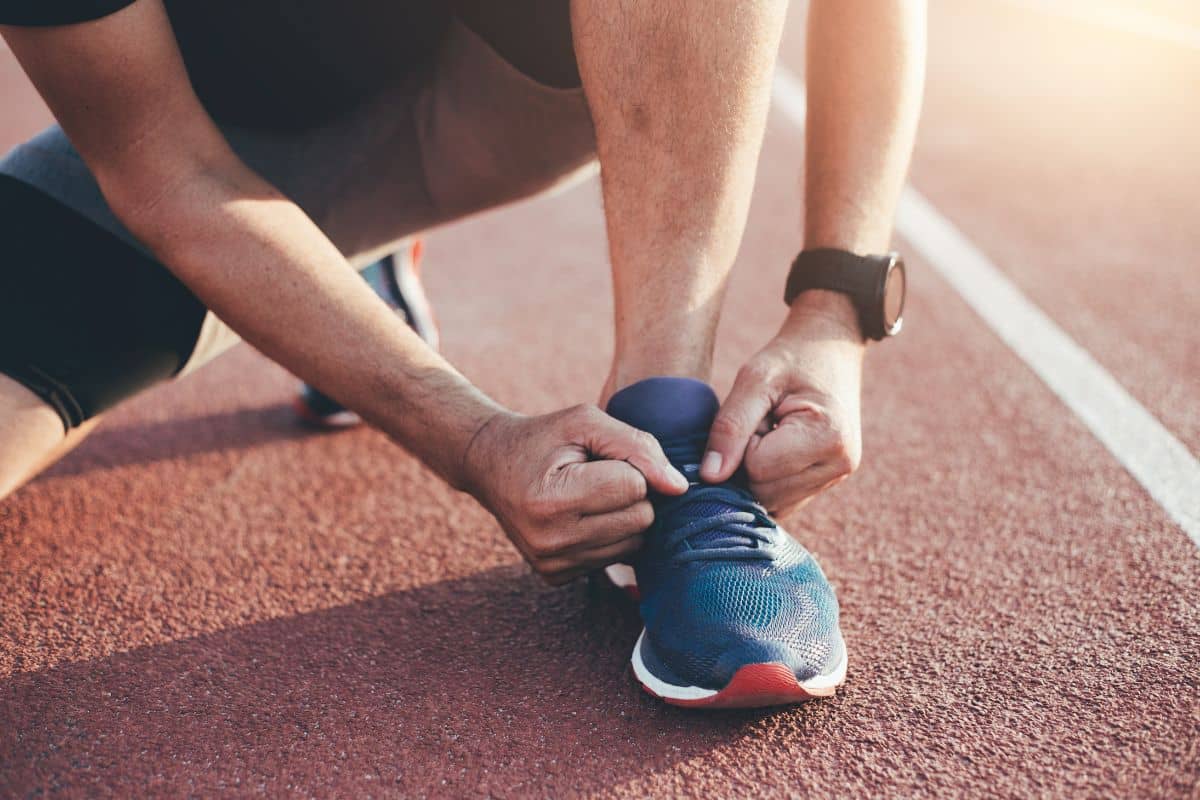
x: 614, y: 439
x: 740, y: 415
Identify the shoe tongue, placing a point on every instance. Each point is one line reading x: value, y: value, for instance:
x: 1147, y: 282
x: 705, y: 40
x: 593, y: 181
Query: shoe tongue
x: 672, y: 409
x: 678, y: 412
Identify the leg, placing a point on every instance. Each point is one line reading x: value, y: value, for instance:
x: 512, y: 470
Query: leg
x: 85, y: 320
x: 476, y: 134
x: 679, y: 92
x: 31, y: 435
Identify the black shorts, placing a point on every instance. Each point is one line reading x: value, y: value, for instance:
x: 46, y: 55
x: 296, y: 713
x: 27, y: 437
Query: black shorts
x: 89, y: 318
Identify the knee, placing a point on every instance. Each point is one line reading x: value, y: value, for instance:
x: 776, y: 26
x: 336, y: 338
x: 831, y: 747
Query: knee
x: 30, y: 431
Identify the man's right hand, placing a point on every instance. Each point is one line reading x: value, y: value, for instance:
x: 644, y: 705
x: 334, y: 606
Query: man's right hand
x: 569, y: 488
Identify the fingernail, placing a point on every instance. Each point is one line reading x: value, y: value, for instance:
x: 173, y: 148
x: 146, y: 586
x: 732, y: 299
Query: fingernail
x: 681, y: 480
x: 711, y: 464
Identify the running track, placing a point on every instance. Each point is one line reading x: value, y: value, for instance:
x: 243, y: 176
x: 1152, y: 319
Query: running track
x: 206, y: 600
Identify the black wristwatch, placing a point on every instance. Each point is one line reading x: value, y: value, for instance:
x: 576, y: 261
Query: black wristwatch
x: 875, y: 284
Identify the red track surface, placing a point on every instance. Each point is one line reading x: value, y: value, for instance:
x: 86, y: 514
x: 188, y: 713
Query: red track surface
x: 207, y: 599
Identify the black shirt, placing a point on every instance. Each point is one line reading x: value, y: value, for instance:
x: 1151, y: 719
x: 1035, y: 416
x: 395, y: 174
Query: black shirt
x: 56, y: 12
x: 278, y: 64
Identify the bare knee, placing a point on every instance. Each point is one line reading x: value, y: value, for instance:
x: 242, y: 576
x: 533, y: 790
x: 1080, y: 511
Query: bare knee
x: 30, y: 433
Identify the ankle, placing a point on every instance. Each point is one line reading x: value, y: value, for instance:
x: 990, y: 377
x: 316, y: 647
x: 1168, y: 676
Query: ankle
x: 626, y: 372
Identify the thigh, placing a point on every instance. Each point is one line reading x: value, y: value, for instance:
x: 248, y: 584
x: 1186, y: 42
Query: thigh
x: 464, y: 133
x: 86, y: 318
x: 491, y: 134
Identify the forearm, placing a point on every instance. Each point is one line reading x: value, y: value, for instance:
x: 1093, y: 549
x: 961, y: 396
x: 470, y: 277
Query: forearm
x: 119, y: 88
x: 260, y: 264
x: 866, y: 72
x: 679, y: 91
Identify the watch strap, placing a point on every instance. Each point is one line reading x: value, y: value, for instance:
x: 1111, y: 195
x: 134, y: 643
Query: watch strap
x: 857, y: 277
x: 835, y: 270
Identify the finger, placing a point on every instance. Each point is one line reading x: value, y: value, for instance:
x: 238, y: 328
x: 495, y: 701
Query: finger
x: 740, y: 415
x: 602, y: 530
x: 611, y: 527
x: 598, y: 487
x: 788, y: 450
x: 787, y: 493
x: 593, y: 531
x: 560, y: 570
x: 610, y: 438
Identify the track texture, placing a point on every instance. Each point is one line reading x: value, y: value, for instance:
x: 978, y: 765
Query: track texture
x: 206, y: 598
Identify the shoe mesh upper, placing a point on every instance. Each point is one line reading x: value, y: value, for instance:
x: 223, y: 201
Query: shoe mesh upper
x: 705, y: 619
x: 722, y: 586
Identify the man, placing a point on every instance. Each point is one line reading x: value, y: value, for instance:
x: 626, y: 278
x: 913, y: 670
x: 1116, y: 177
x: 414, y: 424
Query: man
x: 226, y: 162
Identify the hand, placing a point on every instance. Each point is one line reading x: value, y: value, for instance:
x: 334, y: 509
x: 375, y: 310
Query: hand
x: 792, y: 417
x: 569, y: 488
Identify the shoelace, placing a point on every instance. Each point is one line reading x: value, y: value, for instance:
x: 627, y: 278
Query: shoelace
x: 745, y: 528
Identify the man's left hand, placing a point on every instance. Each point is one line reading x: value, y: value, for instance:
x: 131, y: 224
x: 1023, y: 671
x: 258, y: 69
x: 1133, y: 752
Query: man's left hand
x: 792, y: 418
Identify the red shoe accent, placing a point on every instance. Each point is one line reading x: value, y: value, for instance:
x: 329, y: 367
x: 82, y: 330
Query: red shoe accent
x: 754, y: 686
x: 418, y: 252
x: 631, y: 591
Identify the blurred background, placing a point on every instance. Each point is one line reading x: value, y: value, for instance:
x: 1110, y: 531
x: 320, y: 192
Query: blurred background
x: 202, y: 585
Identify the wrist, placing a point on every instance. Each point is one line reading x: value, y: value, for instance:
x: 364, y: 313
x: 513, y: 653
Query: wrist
x: 475, y: 462
x: 830, y: 313
x: 438, y: 419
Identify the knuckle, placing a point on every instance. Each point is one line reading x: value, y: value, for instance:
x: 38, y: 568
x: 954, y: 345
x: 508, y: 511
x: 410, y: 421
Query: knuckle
x: 581, y: 417
x: 590, y: 412
x: 757, y: 471
x: 643, y: 515
x: 630, y: 484
x: 760, y: 370
x: 540, y: 508
x: 836, y: 452
x: 649, y: 445
x: 540, y: 547
x: 854, y: 454
x: 726, y: 425
x: 853, y: 459
x: 645, y: 441
x: 845, y: 455
x: 818, y: 415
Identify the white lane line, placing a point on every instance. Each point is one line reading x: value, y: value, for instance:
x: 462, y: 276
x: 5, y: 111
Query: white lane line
x: 1155, y: 458
x: 1118, y: 18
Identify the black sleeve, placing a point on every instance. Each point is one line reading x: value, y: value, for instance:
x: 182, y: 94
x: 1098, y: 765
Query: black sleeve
x: 32, y: 13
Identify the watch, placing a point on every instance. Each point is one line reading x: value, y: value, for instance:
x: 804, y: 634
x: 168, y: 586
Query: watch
x: 875, y: 284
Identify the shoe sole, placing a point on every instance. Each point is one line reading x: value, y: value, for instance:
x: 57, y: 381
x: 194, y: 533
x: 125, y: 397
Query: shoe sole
x: 624, y: 580
x: 752, y: 686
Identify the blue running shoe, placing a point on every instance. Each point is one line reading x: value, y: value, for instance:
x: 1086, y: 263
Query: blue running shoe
x: 737, y: 613
x: 397, y: 280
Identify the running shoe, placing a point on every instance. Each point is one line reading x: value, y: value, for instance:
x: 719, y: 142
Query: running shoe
x: 737, y: 613
x: 397, y: 280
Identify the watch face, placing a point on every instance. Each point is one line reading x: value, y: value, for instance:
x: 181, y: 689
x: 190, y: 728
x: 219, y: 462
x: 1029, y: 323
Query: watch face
x: 894, y: 289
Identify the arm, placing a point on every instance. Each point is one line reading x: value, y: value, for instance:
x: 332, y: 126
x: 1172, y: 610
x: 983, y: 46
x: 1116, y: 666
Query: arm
x: 119, y: 89
x: 679, y: 92
x: 793, y: 415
